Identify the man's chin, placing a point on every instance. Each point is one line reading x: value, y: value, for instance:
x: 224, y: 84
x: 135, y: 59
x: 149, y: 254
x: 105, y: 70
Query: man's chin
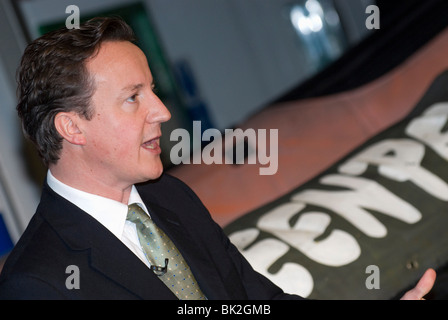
x: 154, y: 174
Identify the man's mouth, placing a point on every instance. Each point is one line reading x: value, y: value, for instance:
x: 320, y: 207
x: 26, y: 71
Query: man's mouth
x: 152, y: 144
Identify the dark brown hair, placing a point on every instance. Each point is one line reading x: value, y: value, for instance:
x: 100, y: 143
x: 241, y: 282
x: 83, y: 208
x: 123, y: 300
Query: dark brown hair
x: 53, y: 78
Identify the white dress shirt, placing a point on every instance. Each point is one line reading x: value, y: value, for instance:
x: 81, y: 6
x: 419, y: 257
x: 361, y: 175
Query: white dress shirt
x: 110, y: 213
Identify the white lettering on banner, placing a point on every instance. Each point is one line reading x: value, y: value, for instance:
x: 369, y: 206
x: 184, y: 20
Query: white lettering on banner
x: 338, y: 249
x: 428, y: 127
x: 351, y: 204
x: 292, y: 277
x: 397, y: 159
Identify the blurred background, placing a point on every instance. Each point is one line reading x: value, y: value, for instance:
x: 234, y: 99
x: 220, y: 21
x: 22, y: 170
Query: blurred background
x: 216, y: 61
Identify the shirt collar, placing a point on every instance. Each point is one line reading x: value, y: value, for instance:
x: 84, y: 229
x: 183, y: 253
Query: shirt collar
x: 110, y: 213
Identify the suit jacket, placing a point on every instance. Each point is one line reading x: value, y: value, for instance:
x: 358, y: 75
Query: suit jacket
x: 61, y: 235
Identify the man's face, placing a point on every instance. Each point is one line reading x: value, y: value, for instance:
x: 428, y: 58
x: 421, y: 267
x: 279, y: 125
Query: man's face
x: 122, y: 139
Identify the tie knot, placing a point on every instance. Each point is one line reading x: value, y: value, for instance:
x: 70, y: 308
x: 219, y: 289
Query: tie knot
x: 136, y: 214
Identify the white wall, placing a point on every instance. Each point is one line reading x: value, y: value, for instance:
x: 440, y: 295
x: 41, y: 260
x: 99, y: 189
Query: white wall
x: 243, y: 53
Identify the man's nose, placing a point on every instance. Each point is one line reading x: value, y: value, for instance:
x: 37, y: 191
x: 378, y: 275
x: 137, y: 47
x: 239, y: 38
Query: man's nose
x: 158, y: 111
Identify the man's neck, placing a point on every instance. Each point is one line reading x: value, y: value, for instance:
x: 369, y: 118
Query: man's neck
x: 89, y: 182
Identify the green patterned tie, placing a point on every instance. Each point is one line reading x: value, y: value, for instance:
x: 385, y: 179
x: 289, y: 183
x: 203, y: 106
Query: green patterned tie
x: 161, y: 251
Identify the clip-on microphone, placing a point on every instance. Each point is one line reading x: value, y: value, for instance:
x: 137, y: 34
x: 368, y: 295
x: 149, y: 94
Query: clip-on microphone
x: 160, y: 271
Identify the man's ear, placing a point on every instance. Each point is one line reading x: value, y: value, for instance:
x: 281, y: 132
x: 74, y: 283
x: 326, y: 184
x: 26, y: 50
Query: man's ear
x: 66, y: 124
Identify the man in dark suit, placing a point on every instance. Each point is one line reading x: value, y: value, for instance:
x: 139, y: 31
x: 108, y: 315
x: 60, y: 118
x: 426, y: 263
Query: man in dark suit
x: 86, y: 100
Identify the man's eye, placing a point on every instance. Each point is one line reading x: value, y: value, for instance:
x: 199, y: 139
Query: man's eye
x: 132, y: 98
